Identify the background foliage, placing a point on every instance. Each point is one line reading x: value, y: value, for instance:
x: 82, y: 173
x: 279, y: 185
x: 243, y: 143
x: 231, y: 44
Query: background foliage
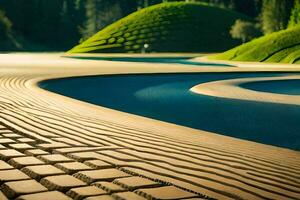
x: 57, y: 25
x: 295, y: 15
x: 168, y: 27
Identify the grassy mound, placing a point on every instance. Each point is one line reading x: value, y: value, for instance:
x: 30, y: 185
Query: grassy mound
x: 167, y: 27
x: 282, y: 46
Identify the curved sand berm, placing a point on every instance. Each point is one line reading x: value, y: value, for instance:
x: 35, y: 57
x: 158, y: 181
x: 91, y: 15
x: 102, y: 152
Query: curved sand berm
x: 204, y: 163
x: 232, y: 89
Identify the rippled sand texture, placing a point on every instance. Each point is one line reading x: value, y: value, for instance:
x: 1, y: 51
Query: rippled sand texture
x: 205, y: 164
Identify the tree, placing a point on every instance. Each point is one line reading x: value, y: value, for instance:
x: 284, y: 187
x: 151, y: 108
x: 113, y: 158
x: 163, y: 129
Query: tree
x: 100, y: 13
x: 5, y: 25
x: 7, y: 42
x: 248, y: 7
x: 295, y: 15
x: 244, y: 30
x: 71, y: 19
x: 275, y: 15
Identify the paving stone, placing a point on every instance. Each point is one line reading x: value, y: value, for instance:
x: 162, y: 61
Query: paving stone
x: 108, y: 187
x: 127, y: 196
x: 50, y: 146
x: 9, y: 153
x: 72, y: 167
x: 55, y: 158
x: 36, y: 152
x: 101, y: 197
x: 69, y: 141
x: 135, y: 182
x: 6, y: 141
x: 100, y: 175
x: 17, y: 188
x: 12, y: 175
x: 2, y: 196
x: 26, y: 140
x: 41, y: 171
x: 166, y: 192
x: 76, y: 149
x: 25, y: 161
x: 118, y: 154
x: 11, y: 135
x: 54, y: 195
x: 62, y: 182
x: 5, y: 130
x: 21, y: 146
x: 4, y: 165
x: 87, y: 191
x: 98, y: 164
x: 83, y: 156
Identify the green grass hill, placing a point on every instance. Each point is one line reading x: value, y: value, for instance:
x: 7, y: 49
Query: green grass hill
x: 282, y: 46
x: 167, y: 27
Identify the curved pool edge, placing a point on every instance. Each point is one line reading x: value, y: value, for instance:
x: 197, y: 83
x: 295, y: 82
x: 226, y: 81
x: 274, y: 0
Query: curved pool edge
x: 183, y: 60
x: 233, y: 89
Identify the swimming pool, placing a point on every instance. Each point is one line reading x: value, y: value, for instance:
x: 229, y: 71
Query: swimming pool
x: 166, y: 60
x: 167, y: 97
x: 290, y: 87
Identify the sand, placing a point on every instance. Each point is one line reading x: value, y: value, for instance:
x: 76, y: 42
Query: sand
x: 232, y: 89
x: 204, y: 163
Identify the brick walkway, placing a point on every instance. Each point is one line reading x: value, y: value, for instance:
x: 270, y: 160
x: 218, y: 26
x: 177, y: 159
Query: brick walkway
x: 33, y: 171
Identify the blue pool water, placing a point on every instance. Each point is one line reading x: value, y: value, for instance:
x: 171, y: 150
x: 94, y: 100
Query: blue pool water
x: 291, y: 87
x: 166, y: 60
x: 167, y: 98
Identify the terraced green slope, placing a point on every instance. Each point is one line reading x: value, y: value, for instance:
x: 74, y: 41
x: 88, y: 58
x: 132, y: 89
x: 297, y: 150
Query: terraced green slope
x: 167, y: 27
x: 282, y: 46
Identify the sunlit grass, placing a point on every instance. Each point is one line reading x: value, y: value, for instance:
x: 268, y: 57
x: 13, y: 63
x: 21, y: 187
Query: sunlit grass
x: 167, y: 27
x: 282, y: 46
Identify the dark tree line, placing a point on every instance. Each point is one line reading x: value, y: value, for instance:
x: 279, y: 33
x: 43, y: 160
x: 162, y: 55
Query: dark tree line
x: 60, y: 24
x: 295, y: 14
x: 44, y: 22
x: 275, y: 14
